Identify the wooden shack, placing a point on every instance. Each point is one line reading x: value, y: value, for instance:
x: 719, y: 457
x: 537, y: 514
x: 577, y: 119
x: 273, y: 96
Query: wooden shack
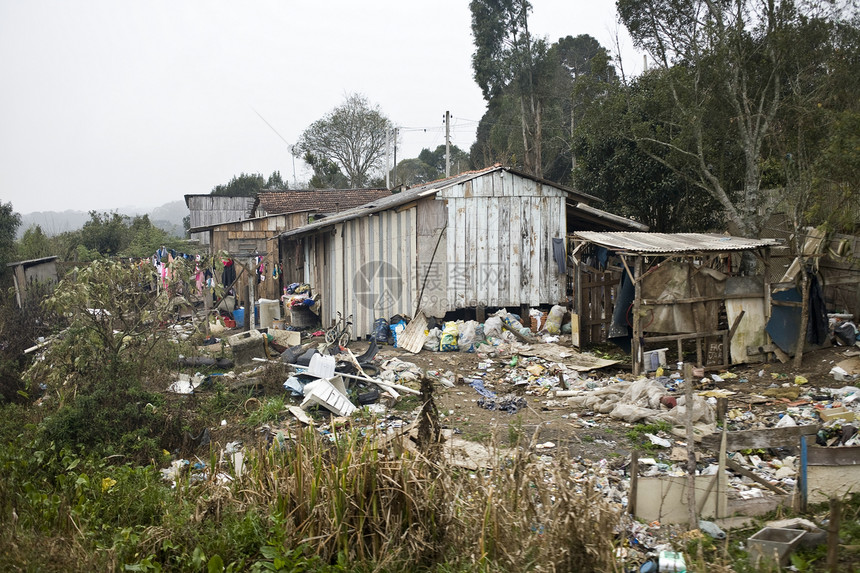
x: 244, y: 240
x: 208, y: 210
x: 677, y: 287
x: 492, y: 238
x: 34, y: 271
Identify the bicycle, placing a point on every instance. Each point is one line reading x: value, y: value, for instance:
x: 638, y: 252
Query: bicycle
x: 341, y: 332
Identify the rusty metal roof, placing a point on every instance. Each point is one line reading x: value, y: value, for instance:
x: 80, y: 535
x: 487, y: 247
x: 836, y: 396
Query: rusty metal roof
x: 667, y: 243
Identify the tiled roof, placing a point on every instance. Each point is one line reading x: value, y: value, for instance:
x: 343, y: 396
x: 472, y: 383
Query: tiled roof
x: 326, y: 201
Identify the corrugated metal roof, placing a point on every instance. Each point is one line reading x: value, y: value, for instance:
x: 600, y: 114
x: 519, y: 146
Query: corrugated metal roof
x: 394, y: 200
x: 610, y: 220
x: 33, y: 262
x: 415, y: 193
x: 666, y: 243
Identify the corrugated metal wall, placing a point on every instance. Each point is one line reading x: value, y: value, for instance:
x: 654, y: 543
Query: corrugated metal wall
x: 494, y: 236
x: 365, y: 267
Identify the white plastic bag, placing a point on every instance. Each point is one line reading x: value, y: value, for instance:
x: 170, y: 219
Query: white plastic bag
x: 432, y: 341
x: 493, y: 327
x: 468, y: 336
x: 553, y: 322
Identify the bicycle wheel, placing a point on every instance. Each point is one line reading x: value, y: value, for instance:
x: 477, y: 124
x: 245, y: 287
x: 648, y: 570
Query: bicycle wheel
x: 331, y: 335
x: 344, y: 339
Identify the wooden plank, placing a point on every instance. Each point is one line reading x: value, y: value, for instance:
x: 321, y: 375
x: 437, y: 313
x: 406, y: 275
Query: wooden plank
x: 503, y: 250
x: 339, y: 270
x: 458, y: 266
x: 535, y: 253
x: 574, y: 330
x: 451, y: 252
x: 766, y: 438
x: 545, y: 249
x: 492, y: 272
x: 558, y: 231
x: 364, y: 257
x: 412, y: 338
x: 514, y: 252
x: 838, y: 456
x: 479, y: 285
x: 526, y: 222
x: 737, y: 468
x: 411, y: 238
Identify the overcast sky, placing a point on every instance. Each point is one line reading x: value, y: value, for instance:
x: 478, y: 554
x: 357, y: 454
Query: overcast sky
x: 113, y: 104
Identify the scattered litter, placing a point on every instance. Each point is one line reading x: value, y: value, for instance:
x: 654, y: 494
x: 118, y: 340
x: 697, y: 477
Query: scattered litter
x: 185, y: 384
x: 656, y: 440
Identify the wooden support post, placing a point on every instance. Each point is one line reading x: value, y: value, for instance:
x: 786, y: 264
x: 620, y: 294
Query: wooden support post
x: 767, y: 293
x: 833, y: 535
x: 691, y: 446
x: 207, y: 306
x: 249, y: 308
x: 804, y: 484
x: 636, y: 351
x: 721, y: 473
x: 804, y: 318
x: 634, y: 483
x: 722, y: 409
x: 576, y: 339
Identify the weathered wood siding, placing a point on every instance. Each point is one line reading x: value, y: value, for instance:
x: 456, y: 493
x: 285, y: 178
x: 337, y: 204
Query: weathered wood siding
x: 492, y: 238
x: 432, y: 268
x: 499, y: 242
x: 240, y: 238
x: 205, y: 210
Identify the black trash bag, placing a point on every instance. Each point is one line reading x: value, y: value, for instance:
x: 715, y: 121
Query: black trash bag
x: 380, y: 330
x: 369, y: 397
x: 345, y: 367
x: 305, y: 359
x: 291, y: 354
x: 846, y: 333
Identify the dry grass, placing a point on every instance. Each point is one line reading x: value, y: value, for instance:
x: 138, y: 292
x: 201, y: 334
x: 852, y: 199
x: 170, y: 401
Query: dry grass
x: 371, y: 500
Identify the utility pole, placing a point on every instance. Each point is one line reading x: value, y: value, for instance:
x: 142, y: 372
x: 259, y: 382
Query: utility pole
x: 387, y: 158
x: 572, y: 129
x: 395, y: 155
x: 447, y: 144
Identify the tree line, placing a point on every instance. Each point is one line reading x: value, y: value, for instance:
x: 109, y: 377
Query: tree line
x: 103, y: 235
x: 748, y: 107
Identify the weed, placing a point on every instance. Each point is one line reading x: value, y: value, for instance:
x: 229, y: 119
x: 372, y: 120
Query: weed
x: 515, y: 431
x: 637, y: 433
x: 269, y: 411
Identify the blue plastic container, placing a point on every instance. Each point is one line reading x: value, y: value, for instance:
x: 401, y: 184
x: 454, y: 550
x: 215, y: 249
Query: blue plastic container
x: 239, y: 316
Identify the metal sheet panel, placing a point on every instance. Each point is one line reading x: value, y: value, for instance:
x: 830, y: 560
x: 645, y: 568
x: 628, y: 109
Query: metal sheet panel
x: 666, y: 243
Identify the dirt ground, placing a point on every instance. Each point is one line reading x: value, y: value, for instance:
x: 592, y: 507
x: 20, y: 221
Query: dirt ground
x: 587, y: 434
x: 551, y: 424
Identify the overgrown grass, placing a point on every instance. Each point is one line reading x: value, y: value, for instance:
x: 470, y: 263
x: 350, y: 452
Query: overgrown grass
x: 267, y: 410
x: 308, y: 503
